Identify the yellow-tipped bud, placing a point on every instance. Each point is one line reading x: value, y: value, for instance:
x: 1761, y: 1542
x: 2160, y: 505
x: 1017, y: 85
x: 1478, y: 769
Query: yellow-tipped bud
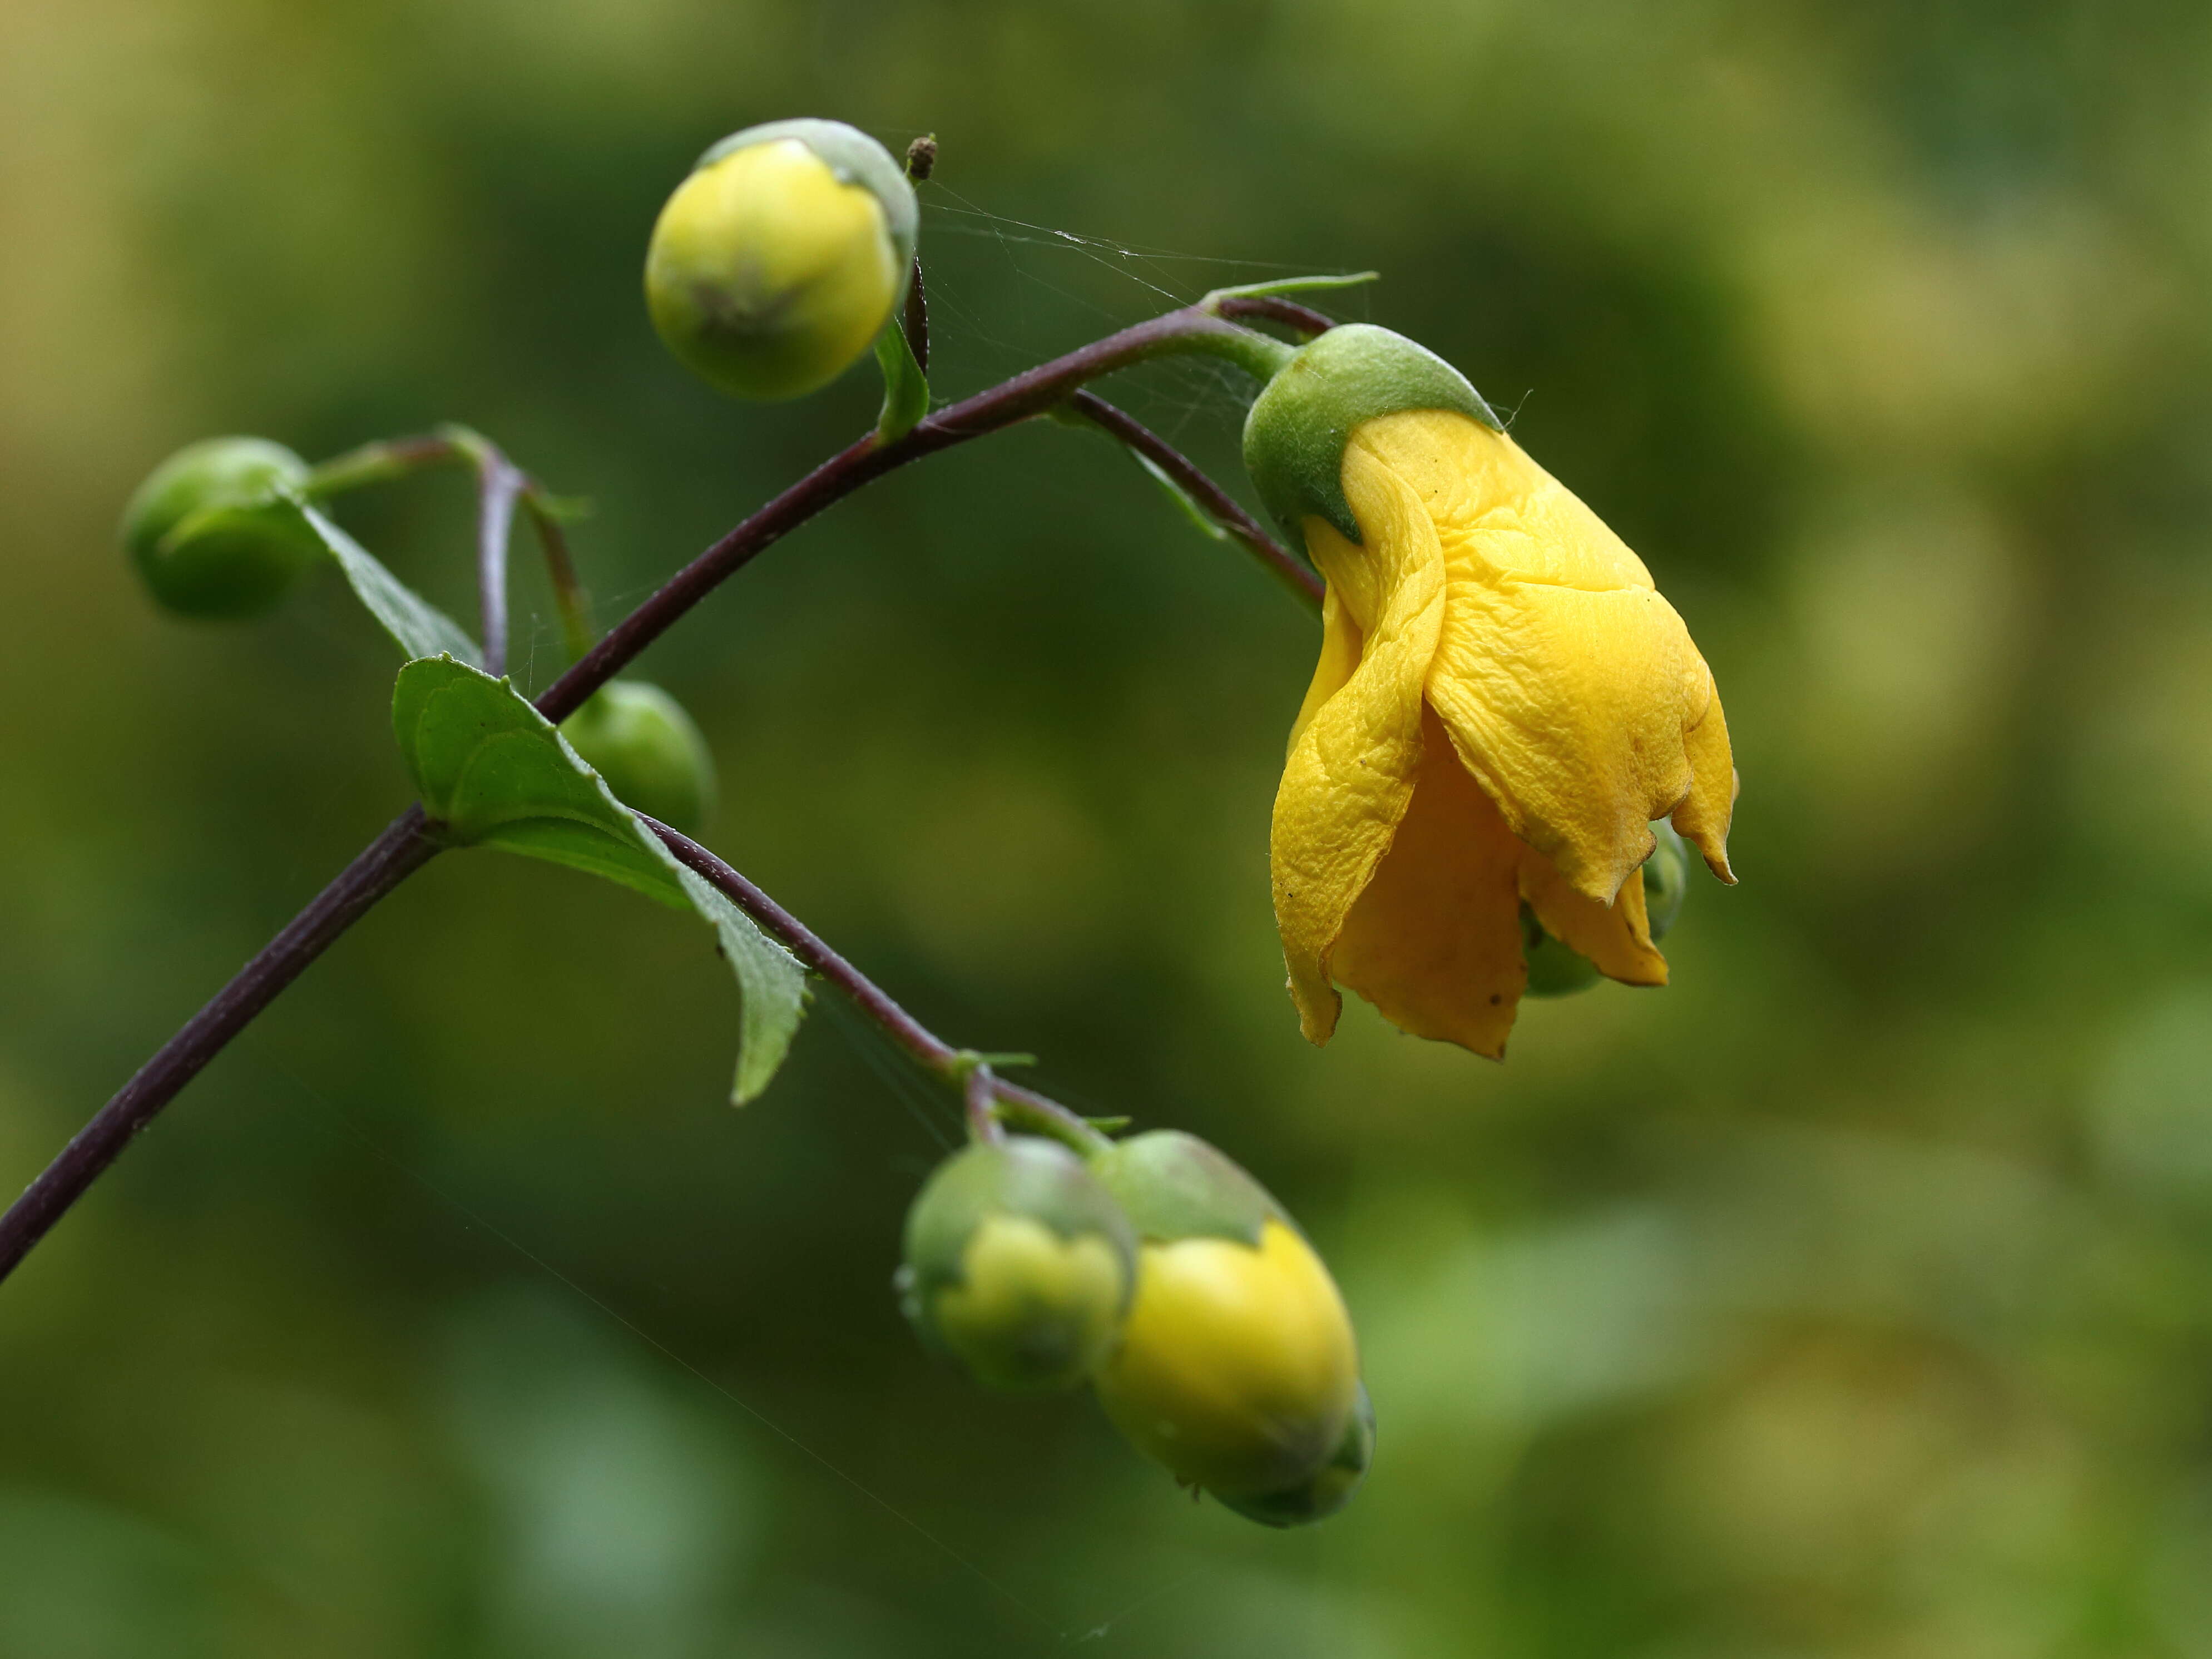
x: 775, y: 265
x: 1237, y: 1368
x: 1018, y: 1264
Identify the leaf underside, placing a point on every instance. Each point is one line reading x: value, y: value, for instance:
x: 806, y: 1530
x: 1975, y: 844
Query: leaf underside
x: 416, y: 626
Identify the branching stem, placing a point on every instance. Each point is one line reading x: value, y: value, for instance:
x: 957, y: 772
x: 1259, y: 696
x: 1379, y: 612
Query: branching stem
x: 403, y: 849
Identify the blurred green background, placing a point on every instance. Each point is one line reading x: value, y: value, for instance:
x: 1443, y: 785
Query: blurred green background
x: 1852, y: 1298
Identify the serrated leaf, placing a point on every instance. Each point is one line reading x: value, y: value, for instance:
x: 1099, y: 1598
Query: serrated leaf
x: 493, y: 772
x: 906, y: 388
x: 419, y: 627
x: 771, y: 987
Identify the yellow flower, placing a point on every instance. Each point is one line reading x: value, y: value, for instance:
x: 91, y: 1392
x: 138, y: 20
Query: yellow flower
x: 1503, y: 703
x: 774, y: 266
x: 1237, y: 1368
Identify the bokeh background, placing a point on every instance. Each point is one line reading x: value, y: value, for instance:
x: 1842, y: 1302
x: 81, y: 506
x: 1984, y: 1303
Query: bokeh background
x: 1852, y: 1298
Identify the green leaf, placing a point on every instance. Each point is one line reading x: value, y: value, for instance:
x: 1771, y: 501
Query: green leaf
x: 771, y: 986
x: 1289, y: 285
x: 493, y: 772
x: 906, y: 388
x: 419, y: 626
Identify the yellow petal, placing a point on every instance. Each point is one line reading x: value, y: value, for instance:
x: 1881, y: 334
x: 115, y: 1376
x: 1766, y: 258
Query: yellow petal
x: 1702, y: 815
x: 1341, y: 645
x: 1350, y: 773
x: 1616, y: 937
x: 1434, y: 941
x: 1568, y: 684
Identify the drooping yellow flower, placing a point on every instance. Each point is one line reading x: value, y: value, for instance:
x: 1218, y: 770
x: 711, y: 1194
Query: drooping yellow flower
x: 1503, y: 703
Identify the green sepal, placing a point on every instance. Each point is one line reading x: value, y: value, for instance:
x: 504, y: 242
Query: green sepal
x: 1329, y: 1488
x: 1173, y: 1185
x: 854, y: 157
x: 1295, y: 435
x: 1288, y: 285
x: 493, y: 772
x: 417, y: 627
x: 906, y: 388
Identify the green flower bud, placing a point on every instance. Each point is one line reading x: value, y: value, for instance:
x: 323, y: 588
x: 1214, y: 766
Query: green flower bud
x: 1020, y: 1264
x: 1237, y: 1369
x: 1295, y: 435
x: 1331, y: 1486
x: 1666, y: 879
x: 776, y: 264
x: 211, y: 535
x: 639, y: 739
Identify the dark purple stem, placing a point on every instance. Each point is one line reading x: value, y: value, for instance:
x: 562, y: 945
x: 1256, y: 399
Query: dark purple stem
x: 1222, y: 507
x: 402, y: 849
x: 1303, y: 319
x: 389, y: 860
x: 1029, y: 393
x: 933, y: 1053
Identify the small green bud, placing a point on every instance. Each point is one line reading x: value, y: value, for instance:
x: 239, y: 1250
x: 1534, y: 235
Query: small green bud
x: 1237, y: 1368
x: 639, y: 739
x: 1020, y: 1264
x: 1556, y: 969
x: 1294, y: 434
x: 1331, y: 1486
x: 1666, y: 879
x: 210, y: 534
x: 777, y: 262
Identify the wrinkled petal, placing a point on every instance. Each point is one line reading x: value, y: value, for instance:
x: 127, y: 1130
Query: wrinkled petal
x: 1434, y: 941
x: 1340, y: 646
x: 1616, y: 937
x: 1568, y: 685
x: 1351, y: 770
x: 1702, y: 815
